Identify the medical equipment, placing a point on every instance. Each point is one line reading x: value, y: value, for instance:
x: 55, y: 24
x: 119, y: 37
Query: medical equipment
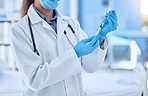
x: 109, y: 24
x: 73, y: 33
x: 110, y: 12
x: 115, y: 82
x: 33, y: 41
x: 32, y: 36
x: 90, y: 47
x: 50, y: 4
x: 103, y: 22
x: 123, y: 54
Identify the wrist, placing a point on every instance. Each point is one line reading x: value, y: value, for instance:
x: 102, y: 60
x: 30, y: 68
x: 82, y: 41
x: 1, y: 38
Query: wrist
x: 76, y: 52
x: 102, y: 36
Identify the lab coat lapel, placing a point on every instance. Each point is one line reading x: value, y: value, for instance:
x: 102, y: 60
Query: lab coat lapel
x: 47, y: 26
x: 35, y: 18
x: 61, y: 27
x: 61, y: 24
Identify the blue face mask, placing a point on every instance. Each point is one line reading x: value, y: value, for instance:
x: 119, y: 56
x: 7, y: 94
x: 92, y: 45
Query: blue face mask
x: 50, y: 4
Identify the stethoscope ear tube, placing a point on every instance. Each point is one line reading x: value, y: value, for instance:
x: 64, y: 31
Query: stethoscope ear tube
x: 68, y: 38
x: 33, y: 40
x: 73, y: 33
x: 71, y: 29
x: 32, y: 36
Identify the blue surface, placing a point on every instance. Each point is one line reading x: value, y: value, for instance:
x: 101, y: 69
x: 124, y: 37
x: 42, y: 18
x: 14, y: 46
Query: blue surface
x: 3, y: 16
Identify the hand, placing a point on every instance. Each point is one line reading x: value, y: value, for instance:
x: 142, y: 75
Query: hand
x: 86, y: 46
x: 110, y: 24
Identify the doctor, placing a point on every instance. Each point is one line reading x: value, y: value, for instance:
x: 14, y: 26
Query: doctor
x: 51, y: 50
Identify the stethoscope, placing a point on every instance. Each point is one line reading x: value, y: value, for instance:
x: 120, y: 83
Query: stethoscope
x: 33, y: 40
x: 73, y: 33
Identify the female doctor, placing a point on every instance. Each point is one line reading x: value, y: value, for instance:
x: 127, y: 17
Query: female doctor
x: 51, y: 50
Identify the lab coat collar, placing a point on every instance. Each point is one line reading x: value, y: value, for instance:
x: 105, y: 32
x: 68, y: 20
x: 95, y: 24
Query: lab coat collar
x: 61, y: 20
x: 34, y: 17
x: 61, y: 24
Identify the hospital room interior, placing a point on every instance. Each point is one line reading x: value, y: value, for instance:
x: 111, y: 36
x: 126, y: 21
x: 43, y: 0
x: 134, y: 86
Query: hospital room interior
x: 124, y: 71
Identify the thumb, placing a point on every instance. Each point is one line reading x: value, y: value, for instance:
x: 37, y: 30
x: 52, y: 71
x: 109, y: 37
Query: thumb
x: 87, y: 39
x: 96, y: 44
x: 93, y: 41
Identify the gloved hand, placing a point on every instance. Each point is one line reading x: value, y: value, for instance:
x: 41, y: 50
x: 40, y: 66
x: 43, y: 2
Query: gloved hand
x: 110, y: 24
x: 86, y: 46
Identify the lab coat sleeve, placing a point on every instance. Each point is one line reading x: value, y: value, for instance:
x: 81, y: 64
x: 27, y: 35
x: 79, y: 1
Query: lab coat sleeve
x: 36, y: 73
x: 92, y: 61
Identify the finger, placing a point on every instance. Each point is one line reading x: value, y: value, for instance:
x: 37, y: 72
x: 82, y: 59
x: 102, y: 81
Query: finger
x: 104, y: 22
x: 98, y: 35
x: 87, y: 39
x: 96, y: 44
x: 93, y: 41
x: 101, y: 34
x: 112, y: 15
x: 114, y: 12
x: 113, y: 22
x: 109, y: 20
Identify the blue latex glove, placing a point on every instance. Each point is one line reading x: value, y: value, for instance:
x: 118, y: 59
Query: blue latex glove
x: 86, y: 46
x: 110, y: 24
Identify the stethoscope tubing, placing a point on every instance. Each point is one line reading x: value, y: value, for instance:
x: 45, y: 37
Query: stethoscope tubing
x: 33, y: 39
x: 73, y: 33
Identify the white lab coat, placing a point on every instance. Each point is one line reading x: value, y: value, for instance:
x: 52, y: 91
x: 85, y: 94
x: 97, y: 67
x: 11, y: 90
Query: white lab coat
x: 57, y: 71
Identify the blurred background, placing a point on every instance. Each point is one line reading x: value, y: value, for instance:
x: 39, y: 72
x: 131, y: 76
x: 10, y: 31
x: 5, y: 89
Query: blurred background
x: 124, y: 71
